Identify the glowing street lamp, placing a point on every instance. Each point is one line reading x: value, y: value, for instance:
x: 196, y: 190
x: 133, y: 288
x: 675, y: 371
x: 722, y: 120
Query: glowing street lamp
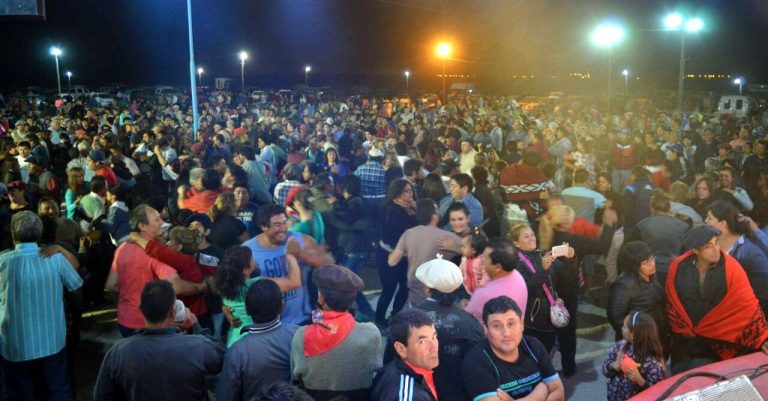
x: 307, y: 70
x: 675, y: 22
x: 200, y: 72
x: 243, y: 56
x: 56, y: 52
x: 407, y: 77
x: 740, y: 82
x: 69, y: 79
x: 444, y: 50
x: 607, y: 36
x: 625, y: 73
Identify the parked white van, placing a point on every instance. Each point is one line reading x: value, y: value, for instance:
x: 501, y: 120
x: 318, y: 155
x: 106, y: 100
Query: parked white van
x: 737, y: 105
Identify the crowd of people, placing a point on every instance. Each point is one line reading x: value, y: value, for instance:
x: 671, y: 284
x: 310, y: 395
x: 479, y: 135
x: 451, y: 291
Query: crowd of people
x: 234, y: 252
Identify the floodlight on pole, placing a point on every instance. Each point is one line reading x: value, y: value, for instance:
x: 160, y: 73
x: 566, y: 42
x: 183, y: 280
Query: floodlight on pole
x: 243, y: 56
x: 676, y: 22
x: 673, y: 21
x: 200, y: 72
x: 444, y: 50
x: 307, y: 70
x: 56, y: 52
x: 740, y: 82
x: 69, y: 79
x: 625, y: 73
x: 407, y: 78
x: 608, y: 35
x: 694, y: 25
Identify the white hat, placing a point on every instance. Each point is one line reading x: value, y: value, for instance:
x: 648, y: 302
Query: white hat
x: 375, y: 152
x: 440, y: 274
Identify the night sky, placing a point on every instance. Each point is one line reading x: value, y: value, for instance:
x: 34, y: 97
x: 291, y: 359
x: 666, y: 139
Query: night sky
x: 145, y: 41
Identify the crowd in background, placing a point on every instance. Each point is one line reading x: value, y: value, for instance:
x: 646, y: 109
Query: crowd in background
x: 261, y: 221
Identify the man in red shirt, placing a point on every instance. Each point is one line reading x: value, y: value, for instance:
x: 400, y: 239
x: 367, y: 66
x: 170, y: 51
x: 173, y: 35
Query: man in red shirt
x: 97, y: 162
x: 132, y: 269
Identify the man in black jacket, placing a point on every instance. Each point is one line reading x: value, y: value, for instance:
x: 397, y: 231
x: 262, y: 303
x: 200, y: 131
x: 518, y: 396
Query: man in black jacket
x: 410, y: 376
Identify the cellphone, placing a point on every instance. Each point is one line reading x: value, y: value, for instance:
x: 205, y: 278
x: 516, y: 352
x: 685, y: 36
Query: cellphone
x: 180, y: 311
x: 560, y: 250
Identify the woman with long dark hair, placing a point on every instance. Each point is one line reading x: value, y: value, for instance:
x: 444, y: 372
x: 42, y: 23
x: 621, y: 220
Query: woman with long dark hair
x: 399, y: 214
x: 233, y: 277
x: 433, y: 188
x: 227, y: 230
x: 75, y: 190
x: 333, y: 165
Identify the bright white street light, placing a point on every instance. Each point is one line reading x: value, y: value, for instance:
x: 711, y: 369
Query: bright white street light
x: 407, y: 78
x: 673, y: 21
x: 694, y: 25
x: 307, y: 70
x: 243, y: 56
x: 740, y: 82
x: 607, y: 35
x: 69, y: 79
x: 56, y: 52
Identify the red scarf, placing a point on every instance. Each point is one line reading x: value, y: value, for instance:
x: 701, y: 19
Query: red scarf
x: 327, y: 333
x: 736, y: 322
x: 428, y: 377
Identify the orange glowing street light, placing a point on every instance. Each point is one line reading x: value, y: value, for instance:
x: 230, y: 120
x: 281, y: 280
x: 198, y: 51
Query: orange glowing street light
x: 444, y: 50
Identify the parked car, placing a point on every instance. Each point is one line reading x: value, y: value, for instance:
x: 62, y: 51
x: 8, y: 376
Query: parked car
x: 102, y: 99
x: 76, y: 92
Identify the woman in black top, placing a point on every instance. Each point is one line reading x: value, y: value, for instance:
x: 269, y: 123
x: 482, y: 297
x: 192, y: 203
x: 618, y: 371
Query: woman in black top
x: 399, y: 214
x: 555, y: 229
x: 637, y: 290
x: 537, y: 275
x: 227, y: 231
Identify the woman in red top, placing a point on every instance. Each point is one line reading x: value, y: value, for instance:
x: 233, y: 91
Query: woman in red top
x: 181, y: 254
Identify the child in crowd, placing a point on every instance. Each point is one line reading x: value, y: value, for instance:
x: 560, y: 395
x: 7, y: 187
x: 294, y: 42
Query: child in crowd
x: 472, y: 263
x: 636, y: 362
x: 233, y: 277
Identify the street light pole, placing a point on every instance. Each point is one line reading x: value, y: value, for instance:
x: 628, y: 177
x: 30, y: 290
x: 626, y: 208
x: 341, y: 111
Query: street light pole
x: 200, y: 75
x: 193, y: 84
x: 610, y: 77
x: 681, y: 72
x: 444, y: 50
x: 307, y: 69
x: 56, y: 52
x: 608, y: 36
x: 740, y: 82
x: 674, y: 22
x: 69, y: 80
x: 445, y: 99
x: 626, y: 81
x: 243, y: 56
x: 407, y: 89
